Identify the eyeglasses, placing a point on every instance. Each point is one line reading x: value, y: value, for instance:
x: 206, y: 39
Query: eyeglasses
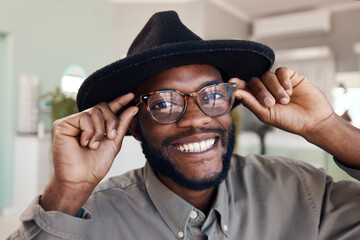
x: 168, y: 106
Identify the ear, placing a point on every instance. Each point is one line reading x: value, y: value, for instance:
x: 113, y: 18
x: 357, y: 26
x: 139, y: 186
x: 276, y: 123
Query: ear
x: 133, y: 128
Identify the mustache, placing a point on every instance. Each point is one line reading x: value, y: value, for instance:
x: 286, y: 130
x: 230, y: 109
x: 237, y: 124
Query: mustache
x: 222, y: 132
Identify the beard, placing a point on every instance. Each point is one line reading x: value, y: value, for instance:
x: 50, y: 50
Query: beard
x: 162, y: 163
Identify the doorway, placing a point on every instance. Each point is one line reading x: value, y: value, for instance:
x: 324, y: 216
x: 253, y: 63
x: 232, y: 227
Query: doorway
x: 6, y: 123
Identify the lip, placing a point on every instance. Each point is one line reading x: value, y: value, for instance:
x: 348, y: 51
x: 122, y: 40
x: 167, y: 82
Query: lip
x: 198, y: 137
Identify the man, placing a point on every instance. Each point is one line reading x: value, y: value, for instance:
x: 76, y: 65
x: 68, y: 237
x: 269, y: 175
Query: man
x: 192, y: 186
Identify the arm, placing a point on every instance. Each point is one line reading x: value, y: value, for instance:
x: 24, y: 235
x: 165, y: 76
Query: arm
x: 289, y: 101
x: 84, y: 146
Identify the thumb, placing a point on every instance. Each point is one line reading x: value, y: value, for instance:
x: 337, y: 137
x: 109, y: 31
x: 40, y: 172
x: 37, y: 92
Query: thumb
x: 124, y: 122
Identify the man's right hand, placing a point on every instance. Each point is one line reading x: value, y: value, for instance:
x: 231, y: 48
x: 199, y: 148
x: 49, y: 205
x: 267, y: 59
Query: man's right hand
x: 84, y: 146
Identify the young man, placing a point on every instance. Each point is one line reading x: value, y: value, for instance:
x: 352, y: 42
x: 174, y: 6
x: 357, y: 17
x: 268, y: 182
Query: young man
x: 193, y: 186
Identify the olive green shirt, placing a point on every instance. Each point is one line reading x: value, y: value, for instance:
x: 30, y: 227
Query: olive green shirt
x: 263, y: 198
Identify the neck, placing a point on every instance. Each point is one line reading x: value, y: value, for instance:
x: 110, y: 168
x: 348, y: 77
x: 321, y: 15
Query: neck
x: 202, y: 200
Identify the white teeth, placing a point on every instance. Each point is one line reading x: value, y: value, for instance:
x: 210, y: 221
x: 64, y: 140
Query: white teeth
x: 196, y: 146
x: 186, y: 147
x: 191, y: 147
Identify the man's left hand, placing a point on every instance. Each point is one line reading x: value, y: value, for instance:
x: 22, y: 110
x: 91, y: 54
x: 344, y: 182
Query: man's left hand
x: 286, y: 100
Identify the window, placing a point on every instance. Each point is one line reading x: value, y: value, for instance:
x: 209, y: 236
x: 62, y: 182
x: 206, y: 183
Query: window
x: 72, y: 79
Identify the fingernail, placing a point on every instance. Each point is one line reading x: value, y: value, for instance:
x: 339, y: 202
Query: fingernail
x: 135, y: 111
x: 284, y: 100
x: 86, y: 142
x: 113, y: 133
x: 268, y: 101
x: 95, y: 145
x: 288, y: 92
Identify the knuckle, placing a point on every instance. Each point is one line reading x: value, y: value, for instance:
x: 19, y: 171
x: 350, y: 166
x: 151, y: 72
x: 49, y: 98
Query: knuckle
x: 96, y: 110
x: 118, y: 104
x: 55, y: 127
x: 102, y: 106
x: 267, y: 75
x: 84, y: 115
x: 281, y: 70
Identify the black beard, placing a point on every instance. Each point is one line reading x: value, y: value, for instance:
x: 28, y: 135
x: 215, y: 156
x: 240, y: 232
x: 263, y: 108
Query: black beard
x: 164, y: 166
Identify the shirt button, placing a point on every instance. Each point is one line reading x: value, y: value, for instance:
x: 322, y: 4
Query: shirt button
x: 180, y: 234
x: 193, y: 215
x: 225, y: 227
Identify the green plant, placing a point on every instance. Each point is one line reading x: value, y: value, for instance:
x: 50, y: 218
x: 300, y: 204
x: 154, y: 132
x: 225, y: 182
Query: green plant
x: 61, y: 105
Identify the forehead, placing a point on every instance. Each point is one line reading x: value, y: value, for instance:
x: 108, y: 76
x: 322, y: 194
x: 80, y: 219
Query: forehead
x: 187, y: 79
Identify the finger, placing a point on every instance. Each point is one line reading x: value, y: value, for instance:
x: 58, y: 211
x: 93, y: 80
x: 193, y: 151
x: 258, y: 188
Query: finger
x: 86, y: 127
x: 272, y: 83
x: 250, y: 102
x: 261, y: 92
x: 99, y: 127
x: 111, y: 121
x: 282, y: 74
x: 124, y: 122
x: 241, y: 84
x: 120, y: 102
x: 295, y: 77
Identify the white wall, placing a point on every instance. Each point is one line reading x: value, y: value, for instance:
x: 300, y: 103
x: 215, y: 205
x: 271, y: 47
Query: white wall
x: 341, y: 38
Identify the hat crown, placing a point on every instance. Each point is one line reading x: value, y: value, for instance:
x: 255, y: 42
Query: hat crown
x: 162, y: 28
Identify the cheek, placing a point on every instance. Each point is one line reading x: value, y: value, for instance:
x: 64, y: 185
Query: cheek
x: 225, y: 121
x: 153, y: 131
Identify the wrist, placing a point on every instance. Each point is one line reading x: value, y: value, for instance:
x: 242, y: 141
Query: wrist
x: 339, y: 138
x: 64, y: 198
x: 322, y: 131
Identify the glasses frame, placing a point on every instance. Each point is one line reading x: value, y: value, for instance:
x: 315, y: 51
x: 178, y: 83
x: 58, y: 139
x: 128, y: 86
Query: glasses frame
x: 145, y: 97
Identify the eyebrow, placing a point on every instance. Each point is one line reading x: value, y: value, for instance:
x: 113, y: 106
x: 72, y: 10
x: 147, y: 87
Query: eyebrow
x: 212, y: 82
x: 208, y: 83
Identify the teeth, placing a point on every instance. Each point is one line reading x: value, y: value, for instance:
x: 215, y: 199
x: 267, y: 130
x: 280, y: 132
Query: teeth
x: 196, y: 146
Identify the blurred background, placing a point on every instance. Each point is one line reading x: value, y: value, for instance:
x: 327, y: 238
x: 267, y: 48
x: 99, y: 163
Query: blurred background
x: 47, y: 48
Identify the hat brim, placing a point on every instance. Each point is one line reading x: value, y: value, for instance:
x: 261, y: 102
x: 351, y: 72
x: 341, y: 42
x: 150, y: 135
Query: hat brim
x: 233, y: 58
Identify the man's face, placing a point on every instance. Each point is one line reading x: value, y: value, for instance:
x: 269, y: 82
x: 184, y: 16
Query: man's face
x: 164, y: 144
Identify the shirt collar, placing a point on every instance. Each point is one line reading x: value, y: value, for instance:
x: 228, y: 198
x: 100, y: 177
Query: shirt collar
x: 176, y: 211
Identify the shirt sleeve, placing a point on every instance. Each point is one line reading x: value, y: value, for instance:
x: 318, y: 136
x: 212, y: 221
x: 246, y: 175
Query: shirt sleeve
x: 38, y: 224
x: 338, y: 204
x: 353, y: 172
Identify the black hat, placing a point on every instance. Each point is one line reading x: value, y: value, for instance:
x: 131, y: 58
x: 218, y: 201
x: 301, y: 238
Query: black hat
x: 165, y: 42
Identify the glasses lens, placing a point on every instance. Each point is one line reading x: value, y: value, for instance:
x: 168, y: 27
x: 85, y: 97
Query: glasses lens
x: 216, y: 100
x: 167, y: 106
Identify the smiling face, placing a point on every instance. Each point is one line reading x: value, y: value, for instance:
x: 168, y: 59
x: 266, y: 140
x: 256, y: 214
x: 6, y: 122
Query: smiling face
x: 194, y: 152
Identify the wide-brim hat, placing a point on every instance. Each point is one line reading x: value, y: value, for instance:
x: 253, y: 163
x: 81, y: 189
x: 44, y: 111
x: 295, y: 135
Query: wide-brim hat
x: 165, y: 42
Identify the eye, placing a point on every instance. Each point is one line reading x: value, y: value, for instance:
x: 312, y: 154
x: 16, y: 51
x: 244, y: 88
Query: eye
x: 162, y: 105
x: 212, y: 96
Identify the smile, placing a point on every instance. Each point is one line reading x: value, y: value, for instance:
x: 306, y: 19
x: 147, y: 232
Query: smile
x: 201, y: 146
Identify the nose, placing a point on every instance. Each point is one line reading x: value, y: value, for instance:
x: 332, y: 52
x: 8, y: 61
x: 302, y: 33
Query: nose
x: 193, y: 117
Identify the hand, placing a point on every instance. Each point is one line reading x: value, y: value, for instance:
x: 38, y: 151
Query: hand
x: 84, y: 147
x: 286, y: 100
